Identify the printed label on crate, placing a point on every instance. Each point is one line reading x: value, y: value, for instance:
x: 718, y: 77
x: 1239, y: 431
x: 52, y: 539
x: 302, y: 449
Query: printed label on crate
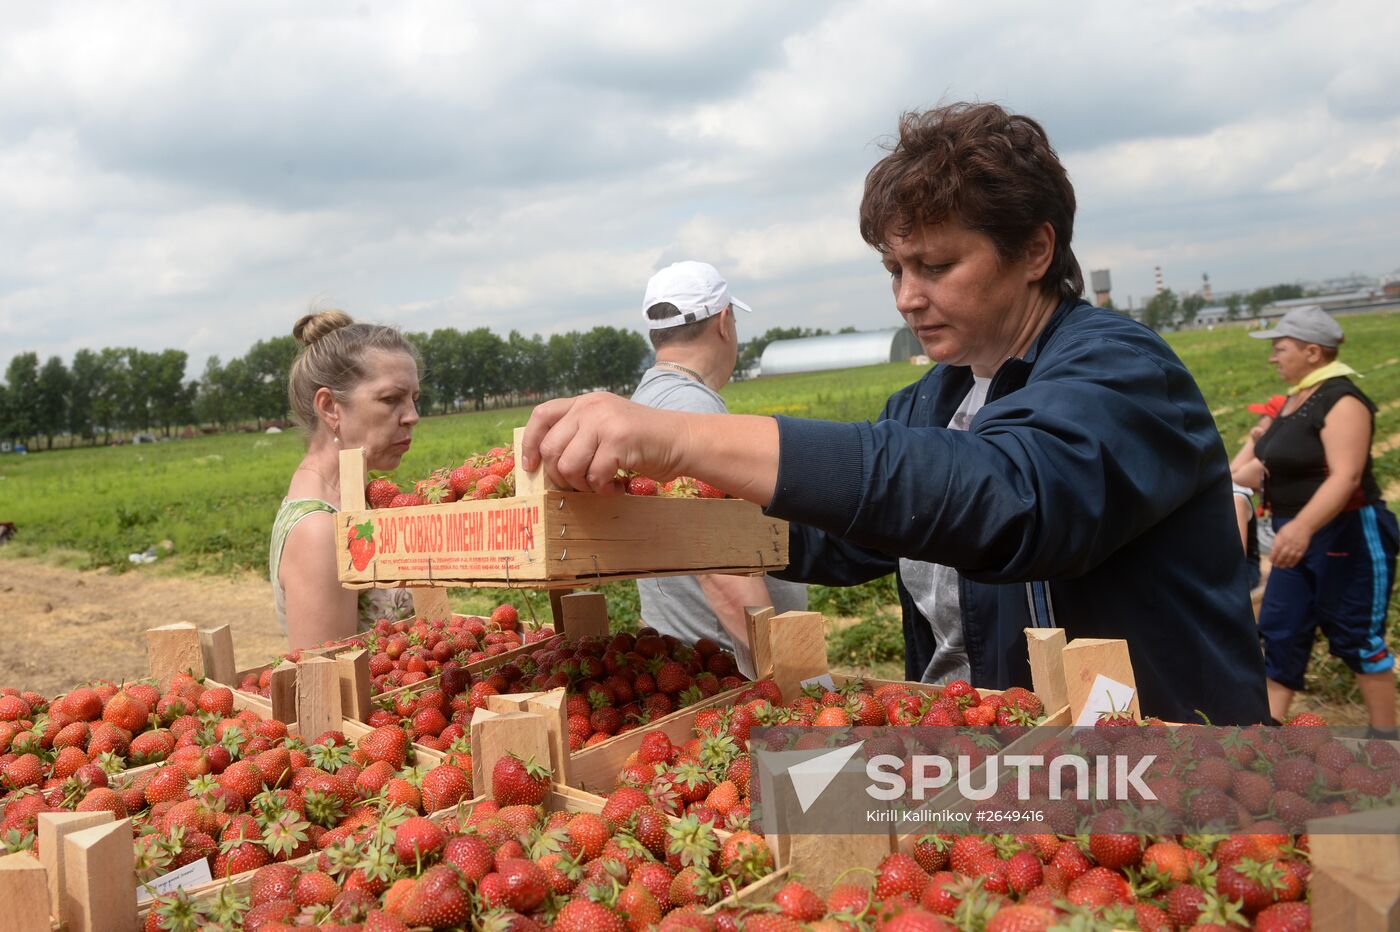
x: 1106, y: 696
x: 824, y: 680
x: 191, y: 875
x: 488, y: 539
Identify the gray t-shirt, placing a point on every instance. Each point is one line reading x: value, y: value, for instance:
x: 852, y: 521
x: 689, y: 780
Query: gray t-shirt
x: 677, y: 605
x: 934, y: 587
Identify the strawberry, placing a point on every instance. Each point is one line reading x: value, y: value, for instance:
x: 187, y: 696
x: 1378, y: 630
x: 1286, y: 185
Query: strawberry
x: 586, y: 916
x: 360, y: 541
x: 125, y: 710
x: 516, y: 884
x: 1023, y: 871
x: 931, y: 851
x: 315, y: 888
x: 514, y: 781
x: 387, y: 743
x: 1184, y: 904
x: 798, y: 902
x: 406, y: 500
x: 471, y: 855
x: 1023, y: 918
x: 417, y: 839
x: 506, y: 617
x: 380, y: 492
x: 1099, y: 887
x: 1284, y: 917
x: 439, y: 900
x: 641, y: 485
x: 1115, y: 850
x: 273, y: 882
x: 444, y: 787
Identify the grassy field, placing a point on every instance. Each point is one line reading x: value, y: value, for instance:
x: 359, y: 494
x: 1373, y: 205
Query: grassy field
x: 214, y: 498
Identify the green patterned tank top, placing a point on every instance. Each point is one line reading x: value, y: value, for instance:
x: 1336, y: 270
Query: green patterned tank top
x: 373, y: 603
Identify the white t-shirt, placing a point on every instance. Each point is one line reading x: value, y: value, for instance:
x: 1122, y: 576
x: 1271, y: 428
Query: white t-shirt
x: 934, y: 587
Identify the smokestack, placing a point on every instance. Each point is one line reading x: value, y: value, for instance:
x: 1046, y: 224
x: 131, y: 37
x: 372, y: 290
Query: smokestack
x: 1157, y: 274
x: 1205, y: 287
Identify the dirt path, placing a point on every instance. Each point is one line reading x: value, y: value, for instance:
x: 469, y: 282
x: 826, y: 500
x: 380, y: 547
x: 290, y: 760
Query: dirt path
x: 62, y: 626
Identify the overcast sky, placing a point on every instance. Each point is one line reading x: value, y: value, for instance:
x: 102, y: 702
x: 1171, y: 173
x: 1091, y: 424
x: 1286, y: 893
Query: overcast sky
x: 194, y: 175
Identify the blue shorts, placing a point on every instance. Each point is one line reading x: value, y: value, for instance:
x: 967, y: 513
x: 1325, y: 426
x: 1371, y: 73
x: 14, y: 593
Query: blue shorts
x: 1342, y: 585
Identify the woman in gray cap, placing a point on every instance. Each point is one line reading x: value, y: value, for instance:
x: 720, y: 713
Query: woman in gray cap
x: 1335, y: 543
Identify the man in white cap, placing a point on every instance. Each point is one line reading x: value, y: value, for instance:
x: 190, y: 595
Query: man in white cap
x: 690, y: 317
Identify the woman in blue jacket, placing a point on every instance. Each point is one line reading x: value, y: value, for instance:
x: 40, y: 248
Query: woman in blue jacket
x: 1059, y: 467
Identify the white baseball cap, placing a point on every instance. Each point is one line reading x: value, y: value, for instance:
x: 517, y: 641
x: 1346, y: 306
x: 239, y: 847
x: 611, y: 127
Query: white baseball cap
x: 695, y: 289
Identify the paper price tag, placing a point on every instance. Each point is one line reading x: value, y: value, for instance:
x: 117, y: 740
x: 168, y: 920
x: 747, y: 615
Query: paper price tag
x: 743, y: 659
x: 824, y: 680
x: 1106, y: 695
x: 191, y: 875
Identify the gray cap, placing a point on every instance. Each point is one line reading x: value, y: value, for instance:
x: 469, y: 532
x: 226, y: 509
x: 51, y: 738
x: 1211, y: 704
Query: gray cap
x: 1310, y: 324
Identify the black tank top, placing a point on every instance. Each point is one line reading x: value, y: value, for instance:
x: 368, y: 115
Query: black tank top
x: 1292, y: 453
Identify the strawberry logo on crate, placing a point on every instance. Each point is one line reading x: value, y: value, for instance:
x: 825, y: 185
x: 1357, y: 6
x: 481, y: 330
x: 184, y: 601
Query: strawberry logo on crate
x: 360, y: 539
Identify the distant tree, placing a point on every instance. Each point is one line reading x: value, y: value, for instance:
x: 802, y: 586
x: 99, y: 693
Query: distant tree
x: 1161, y: 310
x: 527, y: 358
x: 268, y: 362
x: 1232, y: 307
x: 171, y: 400
x: 611, y: 358
x: 483, y: 366
x: 1191, y: 306
x: 52, y: 400
x: 86, y: 378
x: 443, y: 378
x: 22, y: 379
x: 564, y: 373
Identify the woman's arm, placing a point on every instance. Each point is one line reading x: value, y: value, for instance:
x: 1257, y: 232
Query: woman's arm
x: 1249, y: 473
x: 1346, y: 439
x: 318, y: 608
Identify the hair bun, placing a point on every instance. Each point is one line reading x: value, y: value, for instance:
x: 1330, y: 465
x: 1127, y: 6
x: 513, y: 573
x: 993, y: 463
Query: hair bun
x: 313, y: 327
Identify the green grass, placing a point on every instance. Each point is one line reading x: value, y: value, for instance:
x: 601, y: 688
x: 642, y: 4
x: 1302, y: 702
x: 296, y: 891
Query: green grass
x: 214, y: 497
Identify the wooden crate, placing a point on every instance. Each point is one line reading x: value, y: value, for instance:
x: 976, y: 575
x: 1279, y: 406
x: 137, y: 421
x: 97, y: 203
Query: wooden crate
x: 543, y: 538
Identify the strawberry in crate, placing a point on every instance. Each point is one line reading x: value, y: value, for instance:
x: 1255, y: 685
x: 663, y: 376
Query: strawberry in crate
x: 483, y: 475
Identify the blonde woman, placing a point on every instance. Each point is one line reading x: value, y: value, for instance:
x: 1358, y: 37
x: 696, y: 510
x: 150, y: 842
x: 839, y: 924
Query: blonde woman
x: 352, y: 385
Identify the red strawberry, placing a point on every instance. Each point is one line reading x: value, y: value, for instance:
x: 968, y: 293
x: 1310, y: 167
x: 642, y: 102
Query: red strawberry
x: 1115, y: 850
x: 125, y: 710
x: 516, y: 884
x: 416, y: 840
x: 388, y: 743
x: 641, y: 485
x: 587, y: 916
x: 1022, y: 918
x: 381, y: 492
x: 360, y: 540
x: 1284, y: 917
x: 515, y: 782
x: 471, y: 855
x: 406, y: 500
x: 444, y: 787
x: 439, y: 900
x: 798, y: 902
x: 899, y: 874
x: 1099, y: 887
x: 315, y: 888
x: 506, y: 617
x: 273, y: 882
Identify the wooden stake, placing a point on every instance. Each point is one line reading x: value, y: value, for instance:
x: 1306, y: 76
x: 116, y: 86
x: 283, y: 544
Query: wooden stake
x: 551, y: 707
x: 352, y: 480
x: 53, y: 828
x: 1085, y: 660
x: 24, y: 893
x: 556, y: 607
x: 100, y: 879
x: 797, y: 646
x: 532, y: 483
x: 173, y: 649
x: 430, y: 603
x: 352, y: 669
x: 756, y: 620
x: 496, y: 734
x: 585, y: 614
x: 1343, y: 899
x: 318, y: 697
x: 508, y: 702
x: 1046, y: 647
x: 282, y: 692
x: 216, y: 648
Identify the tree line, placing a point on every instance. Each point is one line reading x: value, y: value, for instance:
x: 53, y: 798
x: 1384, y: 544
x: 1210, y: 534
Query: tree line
x: 1171, y: 309
x: 116, y: 391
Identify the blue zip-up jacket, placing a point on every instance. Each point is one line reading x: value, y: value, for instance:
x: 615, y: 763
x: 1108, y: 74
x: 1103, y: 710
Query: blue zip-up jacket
x: 1092, y: 492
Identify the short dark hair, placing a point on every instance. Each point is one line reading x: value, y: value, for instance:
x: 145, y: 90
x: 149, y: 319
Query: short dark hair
x: 992, y: 171
x: 681, y: 333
